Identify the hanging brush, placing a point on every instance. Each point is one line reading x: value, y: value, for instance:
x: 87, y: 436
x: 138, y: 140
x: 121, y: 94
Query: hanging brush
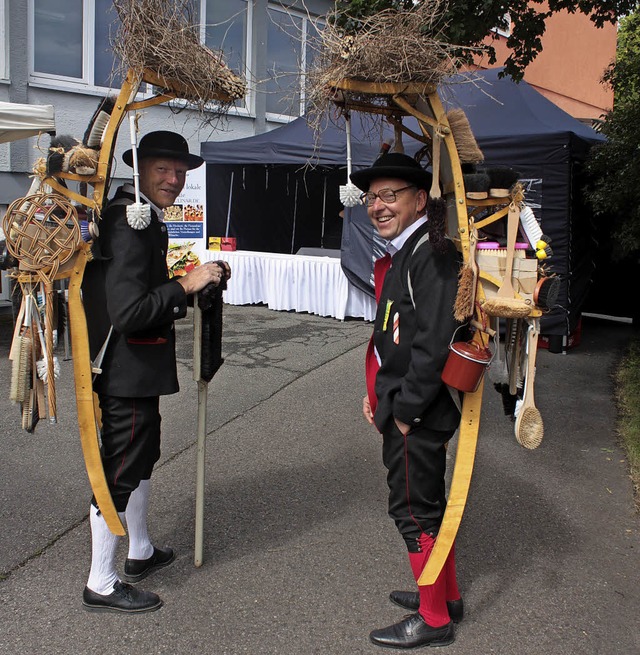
x: 530, y: 225
x: 349, y: 192
x: 98, y: 124
x: 436, y: 204
x: 42, y: 365
x: 466, y: 144
x: 467, y: 281
x: 138, y: 215
x: 529, y: 428
x: 21, y: 357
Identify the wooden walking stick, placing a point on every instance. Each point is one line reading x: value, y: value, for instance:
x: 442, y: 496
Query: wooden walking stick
x: 207, y: 359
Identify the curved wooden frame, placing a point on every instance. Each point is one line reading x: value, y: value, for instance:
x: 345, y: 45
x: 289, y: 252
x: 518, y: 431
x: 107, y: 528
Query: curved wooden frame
x: 87, y: 407
x: 423, y: 103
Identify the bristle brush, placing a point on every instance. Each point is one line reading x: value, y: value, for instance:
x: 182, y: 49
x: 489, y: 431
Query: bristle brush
x: 138, y: 214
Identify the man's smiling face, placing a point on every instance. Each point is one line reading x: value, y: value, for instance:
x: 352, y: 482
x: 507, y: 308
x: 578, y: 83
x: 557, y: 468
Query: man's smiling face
x: 392, y: 218
x: 162, y: 180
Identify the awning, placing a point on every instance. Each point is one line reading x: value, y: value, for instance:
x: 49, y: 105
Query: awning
x: 21, y: 121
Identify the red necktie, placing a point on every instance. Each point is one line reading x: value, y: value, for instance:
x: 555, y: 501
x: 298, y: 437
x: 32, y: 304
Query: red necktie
x: 380, y: 268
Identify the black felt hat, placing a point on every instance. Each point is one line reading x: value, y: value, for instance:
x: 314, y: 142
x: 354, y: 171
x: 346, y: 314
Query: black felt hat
x: 164, y: 145
x: 393, y: 164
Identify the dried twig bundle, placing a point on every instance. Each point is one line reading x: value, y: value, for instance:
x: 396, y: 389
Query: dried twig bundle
x: 161, y: 36
x: 392, y: 46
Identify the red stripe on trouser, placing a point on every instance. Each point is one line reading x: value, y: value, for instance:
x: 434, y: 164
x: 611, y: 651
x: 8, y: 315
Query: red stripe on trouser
x: 433, y: 598
x: 133, y: 433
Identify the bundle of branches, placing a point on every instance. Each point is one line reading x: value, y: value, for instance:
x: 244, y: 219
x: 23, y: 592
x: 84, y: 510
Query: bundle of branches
x: 163, y: 37
x: 392, y: 46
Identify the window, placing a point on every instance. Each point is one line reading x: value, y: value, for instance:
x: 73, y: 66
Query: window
x: 226, y: 29
x: 504, y: 29
x: 72, y: 42
x: 289, y: 51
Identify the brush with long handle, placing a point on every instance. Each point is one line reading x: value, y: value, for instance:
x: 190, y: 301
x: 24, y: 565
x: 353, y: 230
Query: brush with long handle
x: 349, y: 192
x: 529, y: 428
x: 436, y: 204
x: 138, y: 214
x: 504, y: 303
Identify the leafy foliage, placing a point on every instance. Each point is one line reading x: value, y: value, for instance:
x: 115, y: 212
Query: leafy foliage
x: 467, y: 23
x: 615, y: 165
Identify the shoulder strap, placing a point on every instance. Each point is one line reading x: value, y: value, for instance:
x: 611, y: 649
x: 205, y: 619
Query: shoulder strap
x: 455, y: 395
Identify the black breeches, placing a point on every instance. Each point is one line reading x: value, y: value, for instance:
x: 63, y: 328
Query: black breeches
x: 130, y: 443
x: 416, y: 467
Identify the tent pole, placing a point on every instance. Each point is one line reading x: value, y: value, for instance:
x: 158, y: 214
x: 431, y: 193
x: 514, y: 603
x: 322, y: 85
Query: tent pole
x: 324, y: 211
x: 226, y: 232
x: 295, y: 215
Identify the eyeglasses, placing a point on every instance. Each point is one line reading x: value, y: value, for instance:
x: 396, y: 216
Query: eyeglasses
x: 386, y: 195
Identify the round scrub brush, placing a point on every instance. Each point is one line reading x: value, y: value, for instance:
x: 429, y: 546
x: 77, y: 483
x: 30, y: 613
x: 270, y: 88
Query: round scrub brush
x: 349, y: 192
x: 138, y: 215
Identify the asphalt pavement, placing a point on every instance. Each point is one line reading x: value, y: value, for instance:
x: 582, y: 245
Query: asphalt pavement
x: 299, y: 554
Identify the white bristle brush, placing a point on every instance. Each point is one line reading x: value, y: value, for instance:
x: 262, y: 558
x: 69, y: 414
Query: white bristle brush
x: 138, y: 215
x: 349, y: 192
x: 530, y: 225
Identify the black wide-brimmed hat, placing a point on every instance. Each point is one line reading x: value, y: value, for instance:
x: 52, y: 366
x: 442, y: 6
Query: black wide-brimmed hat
x: 393, y: 164
x: 164, y: 145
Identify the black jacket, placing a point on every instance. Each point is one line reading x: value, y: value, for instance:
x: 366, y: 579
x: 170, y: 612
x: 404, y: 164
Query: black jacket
x: 408, y: 384
x: 127, y: 286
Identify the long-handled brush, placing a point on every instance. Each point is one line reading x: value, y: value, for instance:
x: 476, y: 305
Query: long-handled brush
x: 467, y: 281
x: 436, y: 204
x: 349, y: 192
x: 529, y: 428
x: 466, y: 144
x: 138, y: 214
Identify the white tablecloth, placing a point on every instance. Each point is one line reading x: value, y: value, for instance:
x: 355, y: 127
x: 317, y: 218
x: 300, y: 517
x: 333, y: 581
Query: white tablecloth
x: 300, y: 282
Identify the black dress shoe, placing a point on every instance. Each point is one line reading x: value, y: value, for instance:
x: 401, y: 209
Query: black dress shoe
x: 124, y: 598
x: 413, y: 632
x: 410, y: 600
x: 137, y: 569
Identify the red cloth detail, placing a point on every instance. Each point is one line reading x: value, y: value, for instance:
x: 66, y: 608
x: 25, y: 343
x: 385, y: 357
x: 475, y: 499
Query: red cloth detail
x: 433, y: 598
x: 453, y: 593
x: 380, y: 268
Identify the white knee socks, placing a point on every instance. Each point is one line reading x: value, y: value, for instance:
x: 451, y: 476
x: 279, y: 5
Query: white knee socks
x: 140, y: 546
x: 104, y: 543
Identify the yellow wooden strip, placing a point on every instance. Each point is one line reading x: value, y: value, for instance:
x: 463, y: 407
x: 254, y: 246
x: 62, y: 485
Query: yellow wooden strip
x: 462, y: 472
x: 84, y: 397
x: 382, y: 88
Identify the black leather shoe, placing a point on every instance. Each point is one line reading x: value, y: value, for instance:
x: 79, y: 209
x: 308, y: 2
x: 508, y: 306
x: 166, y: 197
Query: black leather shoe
x: 124, y: 598
x: 138, y: 569
x: 410, y: 600
x: 413, y: 632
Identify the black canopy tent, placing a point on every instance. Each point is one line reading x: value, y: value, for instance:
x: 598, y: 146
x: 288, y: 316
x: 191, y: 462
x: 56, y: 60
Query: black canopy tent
x: 278, y: 191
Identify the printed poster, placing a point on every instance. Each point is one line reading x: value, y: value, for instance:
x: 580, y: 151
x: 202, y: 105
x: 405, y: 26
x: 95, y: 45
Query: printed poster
x: 186, y: 224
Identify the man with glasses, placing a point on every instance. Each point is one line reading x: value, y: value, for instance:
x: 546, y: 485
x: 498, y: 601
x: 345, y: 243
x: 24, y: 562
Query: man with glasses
x: 406, y: 399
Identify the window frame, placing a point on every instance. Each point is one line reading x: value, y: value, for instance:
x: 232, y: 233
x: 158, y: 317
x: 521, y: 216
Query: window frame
x: 4, y: 53
x: 302, y: 73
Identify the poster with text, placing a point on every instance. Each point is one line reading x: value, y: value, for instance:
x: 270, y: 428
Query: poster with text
x: 186, y: 224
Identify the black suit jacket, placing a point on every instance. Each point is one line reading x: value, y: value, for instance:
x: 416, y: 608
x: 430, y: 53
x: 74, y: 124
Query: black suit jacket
x: 127, y: 286
x: 408, y: 384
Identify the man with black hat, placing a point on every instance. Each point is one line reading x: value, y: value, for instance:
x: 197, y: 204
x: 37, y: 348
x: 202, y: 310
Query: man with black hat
x: 131, y: 307
x: 406, y: 399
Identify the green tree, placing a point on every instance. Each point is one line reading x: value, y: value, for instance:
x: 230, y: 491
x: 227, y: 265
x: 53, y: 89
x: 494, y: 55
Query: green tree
x: 615, y: 165
x: 468, y: 23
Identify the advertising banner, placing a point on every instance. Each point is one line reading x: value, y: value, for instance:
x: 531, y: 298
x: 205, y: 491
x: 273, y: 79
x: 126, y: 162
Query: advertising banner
x: 186, y: 224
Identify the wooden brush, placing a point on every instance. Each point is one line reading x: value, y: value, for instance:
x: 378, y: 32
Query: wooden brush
x: 504, y: 303
x: 467, y: 281
x: 466, y: 144
x: 529, y: 428
x: 436, y: 204
x: 98, y: 124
